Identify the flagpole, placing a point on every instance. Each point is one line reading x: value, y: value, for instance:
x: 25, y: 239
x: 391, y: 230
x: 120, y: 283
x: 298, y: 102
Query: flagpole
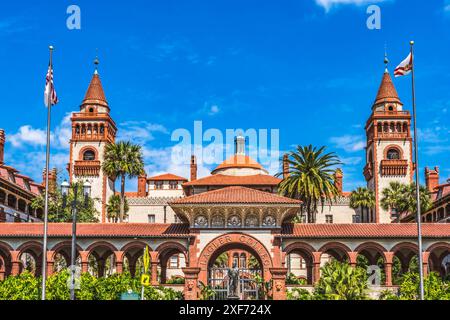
x: 47, y: 160
x: 416, y: 155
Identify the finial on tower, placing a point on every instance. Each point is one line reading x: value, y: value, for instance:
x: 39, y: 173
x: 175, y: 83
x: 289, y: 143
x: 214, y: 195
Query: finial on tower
x: 96, y: 62
x: 386, y: 60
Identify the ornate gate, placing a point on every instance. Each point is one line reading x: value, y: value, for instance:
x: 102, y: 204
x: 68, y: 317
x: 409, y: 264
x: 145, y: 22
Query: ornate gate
x: 248, y: 288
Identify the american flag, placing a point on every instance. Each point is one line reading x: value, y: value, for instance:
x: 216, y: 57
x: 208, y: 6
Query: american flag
x: 50, y: 92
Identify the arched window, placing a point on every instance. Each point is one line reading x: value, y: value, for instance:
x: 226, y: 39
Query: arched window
x: 243, y: 261
x: 393, y: 154
x: 89, y: 155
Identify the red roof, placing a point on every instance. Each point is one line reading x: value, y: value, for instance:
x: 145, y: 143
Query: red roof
x: 94, y: 230
x: 235, y: 195
x: 20, y: 179
x: 359, y: 230
x: 239, y: 161
x: 387, y: 91
x: 225, y: 180
x: 167, y: 177
x: 95, y: 93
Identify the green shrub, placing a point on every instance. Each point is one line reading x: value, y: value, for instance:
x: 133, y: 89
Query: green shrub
x: 27, y: 287
x: 340, y: 281
x: 22, y: 287
x: 299, y: 294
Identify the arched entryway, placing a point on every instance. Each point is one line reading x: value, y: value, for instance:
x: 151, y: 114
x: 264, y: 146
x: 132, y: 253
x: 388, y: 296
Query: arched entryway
x: 250, y: 275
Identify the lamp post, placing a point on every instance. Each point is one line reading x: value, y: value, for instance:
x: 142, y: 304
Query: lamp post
x: 65, y: 187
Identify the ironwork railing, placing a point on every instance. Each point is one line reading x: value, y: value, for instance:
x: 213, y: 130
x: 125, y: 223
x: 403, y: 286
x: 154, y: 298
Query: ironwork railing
x: 248, y: 286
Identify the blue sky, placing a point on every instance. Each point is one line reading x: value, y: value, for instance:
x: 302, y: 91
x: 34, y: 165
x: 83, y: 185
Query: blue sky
x: 309, y: 68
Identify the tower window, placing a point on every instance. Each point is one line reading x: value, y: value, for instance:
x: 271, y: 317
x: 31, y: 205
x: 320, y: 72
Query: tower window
x: 89, y: 155
x: 391, y: 108
x: 393, y: 154
x: 91, y: 110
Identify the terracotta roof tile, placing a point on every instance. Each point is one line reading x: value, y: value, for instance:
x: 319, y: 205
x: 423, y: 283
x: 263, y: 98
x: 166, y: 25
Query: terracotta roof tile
x: 387, y: 91
x: 239, y: 161
x: 95, y: 93
x: 235, y: 195
x: 167, y: 177
x: 19, y: 179
x: 224, y: 180
x: 94, y: 230
x: 358, y: 230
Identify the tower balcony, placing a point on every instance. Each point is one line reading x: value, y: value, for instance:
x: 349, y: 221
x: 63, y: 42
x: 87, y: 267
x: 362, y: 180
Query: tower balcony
x: 394, y: 167
x: 87, y: 168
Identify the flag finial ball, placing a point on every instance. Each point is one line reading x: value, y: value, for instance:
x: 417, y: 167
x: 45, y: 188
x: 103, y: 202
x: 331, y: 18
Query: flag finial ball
x: 50, y: 47
x: 411, y: 42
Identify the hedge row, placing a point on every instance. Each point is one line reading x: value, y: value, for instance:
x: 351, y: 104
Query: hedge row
x: 28, y: 287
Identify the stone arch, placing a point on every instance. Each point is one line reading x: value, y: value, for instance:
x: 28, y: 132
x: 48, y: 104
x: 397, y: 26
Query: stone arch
x: 437, y: 253
x: 34, y: 250
x: 64, y: 249
x: 230, y: 241
x: 393, y: 147
x: 372, y: 251
x: 5, y: 260
x: 131, y: 253
x: 164, y: 252
x: 337, y: 250
x: 99, y: 253
x: 306, y: 252
x: 405, y: 251
x: 88, y: 148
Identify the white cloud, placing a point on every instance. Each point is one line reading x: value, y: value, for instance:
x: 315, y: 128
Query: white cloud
x: 328, y: 4
x: 139, y: 132
x: 27, y: 135
x: 351, y: 160
x: 350, y: 143
x: 214, y: 110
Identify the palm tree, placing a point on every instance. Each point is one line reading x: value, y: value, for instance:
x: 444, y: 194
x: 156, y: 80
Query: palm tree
x: 362, y: 198
x: 392, y: 197
x: 113, y: 208
x: 311, y: 178
x: 123, y: 159
x: 401, y: 198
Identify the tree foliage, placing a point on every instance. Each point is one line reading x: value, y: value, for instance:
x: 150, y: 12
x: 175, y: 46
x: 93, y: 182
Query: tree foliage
x: 362, y: 198
x: 27, y: 287
x: 113, y: 208
x: 123, y: 159
x: 401, y: 198
x: 86, y: 212
x: 340, y: 281
x: 311, y: 178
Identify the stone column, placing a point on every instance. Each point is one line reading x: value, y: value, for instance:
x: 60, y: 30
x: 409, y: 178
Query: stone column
x: 119, y: 261
x: 154, y: 268
x: 15, y: 263
x: 84, y: 261
x: 388, y: 256
x: 425, y: 257
x: 353, y: 258
x: 191, y: 290
x: 50, y: 262
x: 316, y: 266
x: 278, y: 283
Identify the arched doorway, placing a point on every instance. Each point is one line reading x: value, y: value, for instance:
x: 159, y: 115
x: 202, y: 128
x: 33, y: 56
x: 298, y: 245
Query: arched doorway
x: 235, y: 266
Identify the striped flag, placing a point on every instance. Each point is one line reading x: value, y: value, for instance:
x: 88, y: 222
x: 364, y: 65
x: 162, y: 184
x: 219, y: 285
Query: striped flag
x: 50, y: 93
x: 404, y: 67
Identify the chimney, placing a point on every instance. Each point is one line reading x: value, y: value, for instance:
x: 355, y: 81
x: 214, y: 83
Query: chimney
x: 142, y: 186
x: 338, y: 176
x: 239, y: 145
x: 2, y: 145
x: 432, y: 178
x: 52, y: 180
x: 285, y: 166
x: 193, y: 168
